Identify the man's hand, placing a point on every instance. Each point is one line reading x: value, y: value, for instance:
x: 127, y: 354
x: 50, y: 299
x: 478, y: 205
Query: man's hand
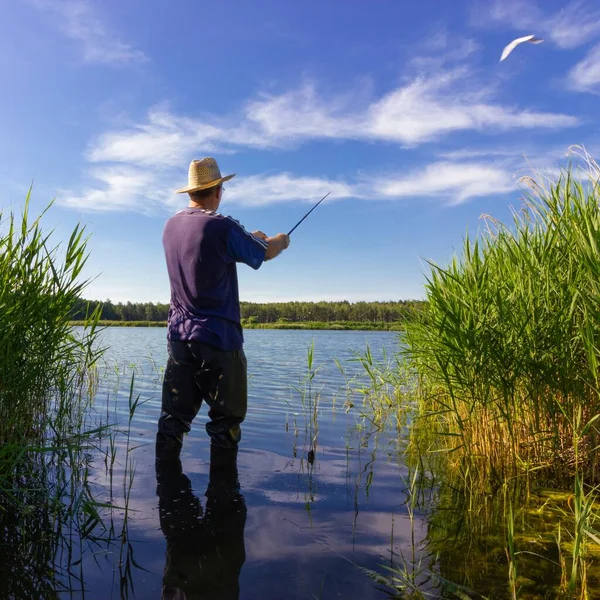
x: 261, y: 235
x: 283, y: 238
x: 277, y: 244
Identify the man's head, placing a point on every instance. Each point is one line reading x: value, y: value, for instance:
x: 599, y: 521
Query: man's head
x: 210, y: 198
x: 205, y: 183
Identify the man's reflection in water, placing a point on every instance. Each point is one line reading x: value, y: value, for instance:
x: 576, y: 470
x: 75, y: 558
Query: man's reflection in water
x: 205, y: 549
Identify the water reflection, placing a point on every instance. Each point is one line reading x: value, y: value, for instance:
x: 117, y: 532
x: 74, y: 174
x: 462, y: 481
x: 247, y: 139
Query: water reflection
x: 205, y: 547
x: 46, y: 522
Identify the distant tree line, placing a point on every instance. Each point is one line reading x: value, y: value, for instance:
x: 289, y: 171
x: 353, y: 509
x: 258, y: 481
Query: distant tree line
x: 267, y: 312
x: 362, y: 312
x: 130, y: 311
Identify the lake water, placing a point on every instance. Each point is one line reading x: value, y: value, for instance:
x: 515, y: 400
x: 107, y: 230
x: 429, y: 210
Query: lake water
x: 326, y: 501
x: 310, y: 526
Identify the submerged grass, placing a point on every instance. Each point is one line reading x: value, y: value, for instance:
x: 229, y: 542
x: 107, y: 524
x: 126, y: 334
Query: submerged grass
x: 505, y: 546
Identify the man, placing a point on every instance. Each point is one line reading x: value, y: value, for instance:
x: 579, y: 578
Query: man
x: 205, y: 340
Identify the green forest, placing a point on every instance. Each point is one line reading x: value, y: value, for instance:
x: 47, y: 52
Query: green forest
x: 271, y: 312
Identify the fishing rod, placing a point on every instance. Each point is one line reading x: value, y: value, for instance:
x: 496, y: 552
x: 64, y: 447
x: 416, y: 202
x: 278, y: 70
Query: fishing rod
x: 308, y: 213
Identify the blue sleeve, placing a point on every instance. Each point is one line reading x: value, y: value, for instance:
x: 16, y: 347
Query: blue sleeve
x: 244, y: 247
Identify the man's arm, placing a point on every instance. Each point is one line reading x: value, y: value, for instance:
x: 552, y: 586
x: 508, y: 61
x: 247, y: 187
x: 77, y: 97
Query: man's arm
x: 277, y: 244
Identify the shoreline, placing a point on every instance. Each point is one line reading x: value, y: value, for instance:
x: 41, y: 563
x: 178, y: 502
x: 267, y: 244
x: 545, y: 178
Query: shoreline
x: 305, y: 325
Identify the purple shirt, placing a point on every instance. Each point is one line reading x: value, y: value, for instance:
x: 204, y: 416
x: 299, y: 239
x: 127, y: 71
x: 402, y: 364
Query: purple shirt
x: 201, y: 250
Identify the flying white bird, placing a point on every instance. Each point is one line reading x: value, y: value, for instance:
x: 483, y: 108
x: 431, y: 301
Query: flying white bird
x: 528, y: 38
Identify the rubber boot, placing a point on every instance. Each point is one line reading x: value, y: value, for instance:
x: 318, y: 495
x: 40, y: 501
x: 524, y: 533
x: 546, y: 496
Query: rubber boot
x: 167, y: 447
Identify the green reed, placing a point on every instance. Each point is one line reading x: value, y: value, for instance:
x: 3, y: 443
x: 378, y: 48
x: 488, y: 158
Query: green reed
x: 506, y: 360
x: 47, y: 381
x: 44, y: 365
x: 506, y: 353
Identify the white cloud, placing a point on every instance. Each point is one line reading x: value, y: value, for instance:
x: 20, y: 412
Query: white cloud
x: 573, y: 25
x: 259, y: 190
x: 126, y: 189
x: 420, y: 111
x: 453, y: 181
x: 78, y: 20
x: 164, y: 140
x: 585, y: 75
x: 428, y: 108
x: 117, y: 188
x: 303, y: 114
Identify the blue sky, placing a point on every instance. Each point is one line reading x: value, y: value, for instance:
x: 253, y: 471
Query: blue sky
x: 401, y: 109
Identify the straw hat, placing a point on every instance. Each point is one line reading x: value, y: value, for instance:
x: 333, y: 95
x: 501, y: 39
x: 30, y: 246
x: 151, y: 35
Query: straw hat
x: 203, y: 174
